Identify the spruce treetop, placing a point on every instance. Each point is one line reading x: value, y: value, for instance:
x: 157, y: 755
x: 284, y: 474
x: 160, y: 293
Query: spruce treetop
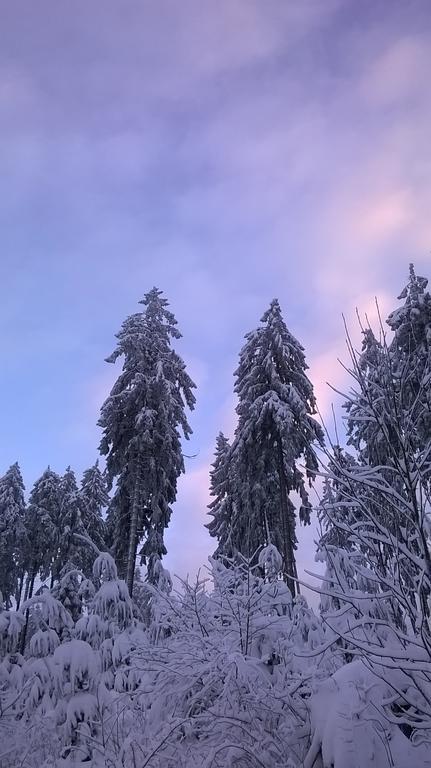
x: 221, y: 507
x: 93, y: 491
x: 410, y: 352
x: 152, y: 373
x: 12, y: 530
x: 411, y: 323
x: 273, y: 390
x: 373, y: 389
x: 12, y: 490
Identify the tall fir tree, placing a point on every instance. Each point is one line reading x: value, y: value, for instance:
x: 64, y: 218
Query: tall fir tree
x: 41, y: 518
x: 223, y: 508
x: 141, y: 422
x: 68, y: 523
x: 275, y: 429
x: 410, y: 352
x: 94, y: 499
x: 12, y: 532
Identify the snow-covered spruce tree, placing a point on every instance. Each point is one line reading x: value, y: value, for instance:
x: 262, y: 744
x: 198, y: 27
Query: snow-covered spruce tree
x: 68, y: 523
x: 141, y: 422
x: 94, y: 499
x: 223, y: 507
x: 410, y: 352
x: 364, y: 435
x: 40, y: 525
x: 80, y: 513
x: 275, y: 429
x: 12, y: 531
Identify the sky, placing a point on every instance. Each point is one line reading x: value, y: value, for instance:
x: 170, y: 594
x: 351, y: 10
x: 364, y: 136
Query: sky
x: 227, y: 152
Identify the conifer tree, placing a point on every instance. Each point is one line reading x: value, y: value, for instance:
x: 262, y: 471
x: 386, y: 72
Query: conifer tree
x: 411, y: 325
x: 391, y: 381
x: 372, y: 371
x: 12, y: 530
x: 222, y: 508
x: 141, y: 422
x: 393, y: 378
x: 410, y: 352
x: 275, y: 429
x: 41, y: 518
x: 94, y: 499
x: 68, y: 523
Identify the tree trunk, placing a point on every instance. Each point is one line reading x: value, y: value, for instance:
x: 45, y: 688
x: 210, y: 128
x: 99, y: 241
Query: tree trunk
x: 19, y: 595
x: 133, y: 537
x: 27, y: 585
x: 288, y: 553
x: 24, y: 633
x: 27, y: 595
x: 295, y: 573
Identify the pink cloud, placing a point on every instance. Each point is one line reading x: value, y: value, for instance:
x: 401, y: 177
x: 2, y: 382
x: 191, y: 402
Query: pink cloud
x: 378, y: 219
x: 398, y: 73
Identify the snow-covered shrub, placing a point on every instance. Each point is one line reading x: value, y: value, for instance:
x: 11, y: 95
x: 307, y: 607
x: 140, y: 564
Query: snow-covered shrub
x: 376, y: 543
x: 75, y: 668
x: 68, y: 685
x: 350, y: 727
x: 223, y: 687
x: 11, y: 625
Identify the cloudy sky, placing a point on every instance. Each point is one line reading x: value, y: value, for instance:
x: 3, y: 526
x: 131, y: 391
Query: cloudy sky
x: 227, y: 152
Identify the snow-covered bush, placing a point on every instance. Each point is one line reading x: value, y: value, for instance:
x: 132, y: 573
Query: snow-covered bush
x: 376, y: 543
x: 223, y: 685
